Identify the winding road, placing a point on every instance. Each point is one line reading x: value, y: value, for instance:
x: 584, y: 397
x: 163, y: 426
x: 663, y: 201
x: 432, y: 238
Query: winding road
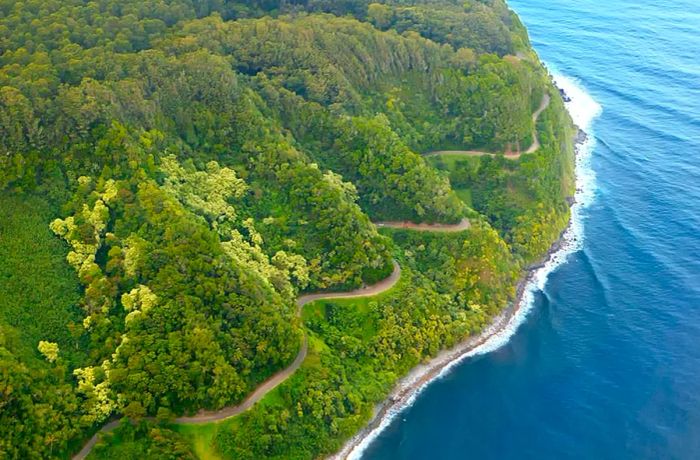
x: 511, y: 156
x: 448, y: 228
x: 269, y: 384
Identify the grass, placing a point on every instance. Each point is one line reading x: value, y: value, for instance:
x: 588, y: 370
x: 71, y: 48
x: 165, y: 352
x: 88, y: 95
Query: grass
x: 465, y: 195
x: 449, y: 163
x: 39, y: 291
x: 201, y: 438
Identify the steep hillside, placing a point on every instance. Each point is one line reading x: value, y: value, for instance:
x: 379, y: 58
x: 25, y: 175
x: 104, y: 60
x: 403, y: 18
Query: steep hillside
x: 202, y: 164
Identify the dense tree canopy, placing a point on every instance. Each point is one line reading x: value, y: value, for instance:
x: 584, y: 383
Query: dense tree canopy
x: 173, y: 174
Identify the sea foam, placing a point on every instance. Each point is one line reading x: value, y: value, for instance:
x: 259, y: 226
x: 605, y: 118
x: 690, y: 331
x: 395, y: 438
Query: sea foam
x: 583, y: 110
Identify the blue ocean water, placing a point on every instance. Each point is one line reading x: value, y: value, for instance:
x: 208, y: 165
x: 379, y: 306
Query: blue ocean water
x: 607, y: 363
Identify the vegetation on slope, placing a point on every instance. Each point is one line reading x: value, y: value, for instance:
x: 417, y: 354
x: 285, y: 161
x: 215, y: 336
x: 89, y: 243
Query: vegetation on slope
x: 362, y: 347
x: 202, y: 163
x: 38, y: 297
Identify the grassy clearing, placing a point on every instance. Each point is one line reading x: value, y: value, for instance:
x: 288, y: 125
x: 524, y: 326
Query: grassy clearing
x: 465, y: 195
x: 450, y: 164
x: 39, y: 291
x: 201, y: 438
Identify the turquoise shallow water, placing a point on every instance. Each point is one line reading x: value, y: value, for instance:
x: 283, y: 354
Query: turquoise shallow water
x: 607, y: 363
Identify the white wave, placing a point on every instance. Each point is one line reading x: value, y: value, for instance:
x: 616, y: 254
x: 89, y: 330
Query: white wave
x: 583, y: 110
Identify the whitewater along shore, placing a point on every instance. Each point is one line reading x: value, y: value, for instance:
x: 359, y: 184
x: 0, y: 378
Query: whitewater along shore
x: 409, y: 386
x: 416, y: 380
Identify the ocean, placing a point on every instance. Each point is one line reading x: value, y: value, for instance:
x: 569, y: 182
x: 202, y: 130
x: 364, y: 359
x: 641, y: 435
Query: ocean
x: 604, y: 360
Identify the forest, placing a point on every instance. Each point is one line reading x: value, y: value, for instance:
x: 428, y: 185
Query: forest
x: 175, y: 174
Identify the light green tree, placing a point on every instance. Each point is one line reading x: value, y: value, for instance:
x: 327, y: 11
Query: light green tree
x: 49, y: 350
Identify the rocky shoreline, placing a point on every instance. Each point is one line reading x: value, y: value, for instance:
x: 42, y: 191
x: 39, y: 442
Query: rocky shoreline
x: 409, y: 386
x: 412, y: 384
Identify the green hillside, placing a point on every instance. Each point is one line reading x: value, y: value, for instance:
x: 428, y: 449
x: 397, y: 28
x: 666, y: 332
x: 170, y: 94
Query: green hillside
x: 174, y: 174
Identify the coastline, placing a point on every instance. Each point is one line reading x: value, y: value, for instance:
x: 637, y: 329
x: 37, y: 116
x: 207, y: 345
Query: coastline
x: 422, y: 375
x: 410, y: 386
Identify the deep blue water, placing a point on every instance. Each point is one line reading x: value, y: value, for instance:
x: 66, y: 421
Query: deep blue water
x: 607, y: 363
